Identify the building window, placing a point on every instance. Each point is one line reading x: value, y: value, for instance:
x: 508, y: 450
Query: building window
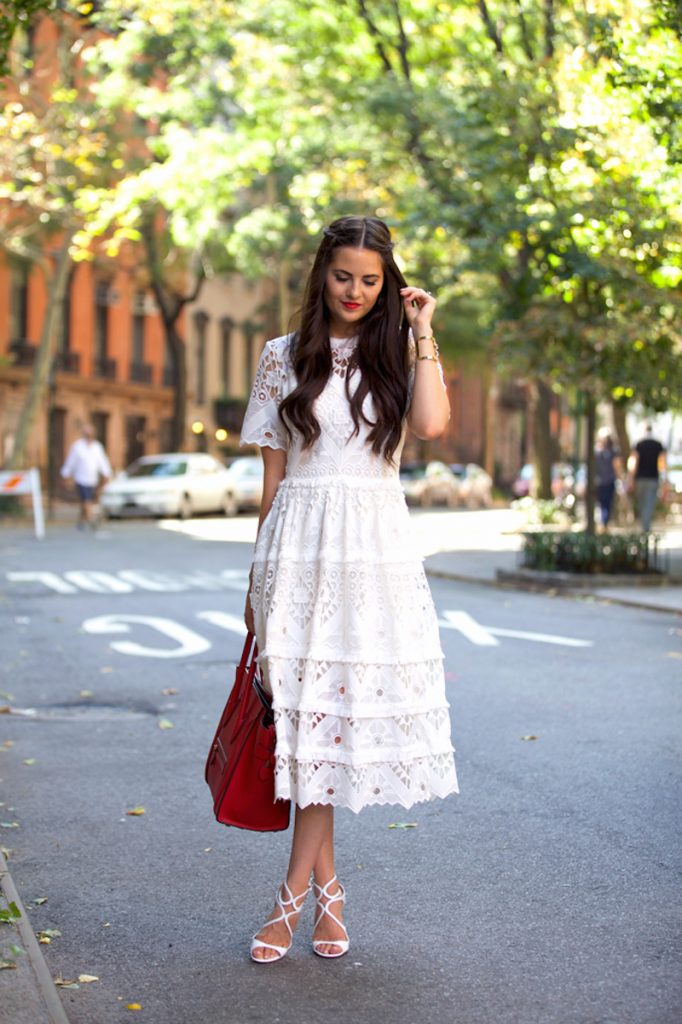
x: 200, y: 323
x: 139, y: 370
x: 105, y: 296
x: 138, y: 328
x: 226, y: 327
x: 21, y: 271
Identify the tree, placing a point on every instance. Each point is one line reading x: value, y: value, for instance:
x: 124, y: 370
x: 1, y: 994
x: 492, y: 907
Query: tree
x: 53, y: 142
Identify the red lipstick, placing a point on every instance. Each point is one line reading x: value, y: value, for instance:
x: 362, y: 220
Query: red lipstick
x: 351, y: 305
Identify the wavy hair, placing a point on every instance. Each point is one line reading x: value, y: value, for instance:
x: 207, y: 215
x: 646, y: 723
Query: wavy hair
x: 380, y: 355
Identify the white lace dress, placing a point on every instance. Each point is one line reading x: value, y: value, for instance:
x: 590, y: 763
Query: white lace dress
x: 345, y: 623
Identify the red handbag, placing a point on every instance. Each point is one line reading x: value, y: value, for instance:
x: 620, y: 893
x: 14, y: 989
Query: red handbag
x: 240, y: 769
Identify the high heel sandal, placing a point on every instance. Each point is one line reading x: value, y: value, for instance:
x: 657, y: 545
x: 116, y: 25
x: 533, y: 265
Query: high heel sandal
x: 321, y: 893
x: 295, y: 903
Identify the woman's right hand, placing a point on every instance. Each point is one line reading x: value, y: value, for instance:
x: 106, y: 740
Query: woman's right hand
x: 248, y: 613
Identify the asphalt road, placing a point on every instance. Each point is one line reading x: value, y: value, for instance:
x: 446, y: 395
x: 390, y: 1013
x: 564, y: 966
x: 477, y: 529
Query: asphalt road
x: 548, y: 891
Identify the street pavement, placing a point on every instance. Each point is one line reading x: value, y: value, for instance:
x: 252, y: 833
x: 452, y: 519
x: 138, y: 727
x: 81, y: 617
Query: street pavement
x: 547, y: 892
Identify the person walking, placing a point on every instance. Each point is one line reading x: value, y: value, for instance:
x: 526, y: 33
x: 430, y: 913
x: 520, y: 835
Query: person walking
x: 86, y: 464
x: 338, y: 600
x: 648, y: 458
x: 607, y: 472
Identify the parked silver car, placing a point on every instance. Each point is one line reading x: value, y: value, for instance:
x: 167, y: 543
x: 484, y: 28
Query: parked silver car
x: 429, y: 484
x: 245, y: 486
x: 173, y: 484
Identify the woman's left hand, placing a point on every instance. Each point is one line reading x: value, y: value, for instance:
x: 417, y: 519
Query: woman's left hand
x: 419, y: 308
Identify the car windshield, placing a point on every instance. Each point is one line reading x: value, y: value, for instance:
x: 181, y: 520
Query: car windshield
x: 246, y: 468
x: 166, y: 467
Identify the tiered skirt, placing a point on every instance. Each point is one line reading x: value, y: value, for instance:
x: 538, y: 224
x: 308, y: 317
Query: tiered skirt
x: 349, y: 646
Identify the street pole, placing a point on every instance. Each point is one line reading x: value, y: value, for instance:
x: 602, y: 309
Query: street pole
x: 51, y: 393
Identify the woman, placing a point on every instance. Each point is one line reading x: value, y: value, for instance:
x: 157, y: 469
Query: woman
x: 607, y: 470
x: 338, y: 599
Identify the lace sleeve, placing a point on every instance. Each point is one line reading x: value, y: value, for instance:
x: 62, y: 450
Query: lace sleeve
x: 412, y: 362
x: 262, y: 425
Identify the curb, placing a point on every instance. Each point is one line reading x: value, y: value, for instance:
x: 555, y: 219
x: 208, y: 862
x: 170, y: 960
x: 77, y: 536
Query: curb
x: 40, y: 976
x: 544, y: 586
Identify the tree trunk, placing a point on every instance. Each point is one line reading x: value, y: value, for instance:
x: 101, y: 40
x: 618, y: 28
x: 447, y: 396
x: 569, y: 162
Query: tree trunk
x: 491, y: 394
x: 44, y: 356
x: 590, y: 483
x: 619, y: 411
x: 284, y: 295
x: 178, y: 354
x: 542, y: 440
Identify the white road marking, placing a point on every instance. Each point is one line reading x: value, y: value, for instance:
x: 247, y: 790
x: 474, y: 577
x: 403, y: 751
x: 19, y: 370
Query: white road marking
x: 159, y: 582
x: 540, y: 638
x: 97, y: 582
x: 468, y: 627
x: 189, y: 642
x: 49, y: 579
x: 233, y: 623
x: 93, y: 581
x: 484, y: 636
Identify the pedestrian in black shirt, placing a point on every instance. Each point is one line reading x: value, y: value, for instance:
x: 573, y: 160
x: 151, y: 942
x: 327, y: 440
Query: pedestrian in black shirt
x: 649, y: 458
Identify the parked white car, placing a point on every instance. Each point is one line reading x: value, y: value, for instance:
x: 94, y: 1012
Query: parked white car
x: 475, y: 486
x: 173, y: 484
x: 428, y: 484
x: 245, y: 487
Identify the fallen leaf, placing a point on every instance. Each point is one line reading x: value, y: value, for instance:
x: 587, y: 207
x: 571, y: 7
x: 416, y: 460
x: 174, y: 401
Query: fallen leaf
x: 66, y: 983
x: 164, y: 723
x: 529, y: 737
x: 5, y: 709
x: 9, y: 824
x: 86, y: 693
x: 207, y: 849
x: 44, y: 940
x: 39, y: 902
x: 12, y: 913
x: 49, y: 933
x: 29, y: 760
x: 7, y: 965
x: 170, y: 691
x: 106, y: 925
x: 135, y: 812
x: 85, y: 979
x: 403, y: 824
x: 6, y: 696
x: 133, y: 1006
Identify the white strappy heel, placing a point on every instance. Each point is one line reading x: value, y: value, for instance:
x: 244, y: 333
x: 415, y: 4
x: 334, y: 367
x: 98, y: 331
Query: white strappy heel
x: 321, y: 893
x: 295, y: 904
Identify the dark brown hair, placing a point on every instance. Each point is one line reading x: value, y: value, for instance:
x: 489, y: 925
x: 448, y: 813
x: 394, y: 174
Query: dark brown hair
x: 380, y: 355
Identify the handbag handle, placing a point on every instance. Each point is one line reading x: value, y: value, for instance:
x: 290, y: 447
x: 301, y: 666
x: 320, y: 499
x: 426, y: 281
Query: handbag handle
x: 247, y: 669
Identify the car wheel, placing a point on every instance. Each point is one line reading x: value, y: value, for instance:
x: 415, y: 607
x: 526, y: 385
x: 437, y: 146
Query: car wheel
x: 230, y: 507
x: 185, y: 507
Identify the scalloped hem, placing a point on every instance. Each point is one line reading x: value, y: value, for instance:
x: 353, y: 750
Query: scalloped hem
x: 341, y: 802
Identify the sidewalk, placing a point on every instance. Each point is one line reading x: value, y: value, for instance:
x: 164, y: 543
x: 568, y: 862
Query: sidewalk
x: 472, y: 565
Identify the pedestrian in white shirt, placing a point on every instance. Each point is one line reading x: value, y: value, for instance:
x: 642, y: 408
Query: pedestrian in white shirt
x: 85, y: 464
